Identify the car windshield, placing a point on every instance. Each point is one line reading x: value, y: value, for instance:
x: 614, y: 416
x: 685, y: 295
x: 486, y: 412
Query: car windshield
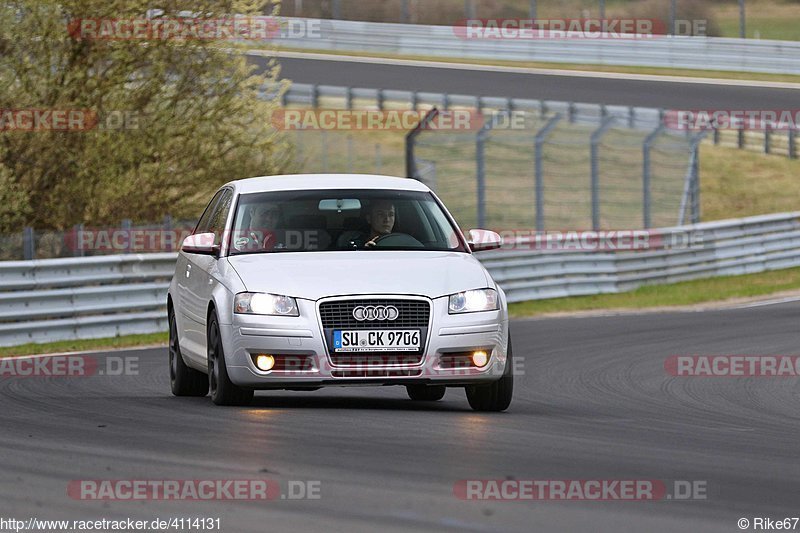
x: 337, y: 220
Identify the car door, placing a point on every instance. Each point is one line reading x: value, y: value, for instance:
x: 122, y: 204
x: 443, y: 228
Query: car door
x: 193, y: 281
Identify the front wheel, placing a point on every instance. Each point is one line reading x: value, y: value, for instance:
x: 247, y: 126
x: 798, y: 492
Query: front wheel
x: 183, y: 381
x: 495, y: 396
x: 426, y: 393
x: 223, y: 391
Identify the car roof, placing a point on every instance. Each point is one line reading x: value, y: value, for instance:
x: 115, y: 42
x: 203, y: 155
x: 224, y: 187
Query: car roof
x: 299, y: 182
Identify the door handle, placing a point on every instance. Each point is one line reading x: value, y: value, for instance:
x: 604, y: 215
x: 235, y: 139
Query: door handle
x: 188, y: 270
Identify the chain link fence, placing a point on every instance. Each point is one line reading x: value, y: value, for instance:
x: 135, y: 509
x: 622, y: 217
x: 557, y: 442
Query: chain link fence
x: 578, y: 172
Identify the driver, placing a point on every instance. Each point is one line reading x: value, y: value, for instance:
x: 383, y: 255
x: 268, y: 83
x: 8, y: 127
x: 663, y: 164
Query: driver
x: 380, y: 217
x: 263, y: 221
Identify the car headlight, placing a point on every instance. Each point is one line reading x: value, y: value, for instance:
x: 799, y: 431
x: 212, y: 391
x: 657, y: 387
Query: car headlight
x: 473, y: 301
x: 256, y: 303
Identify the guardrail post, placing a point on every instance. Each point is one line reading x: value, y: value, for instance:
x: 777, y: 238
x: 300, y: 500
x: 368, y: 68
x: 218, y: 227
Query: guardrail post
x: 405, y: 13
x: 480, y: 160
x: 381, y: 99
x: 336, y: 9
x: 792, y: 143
x: 28, y: 244
x: 571, y: 112
x: 646, y: 145
x: 595, y: 182
x: 542, y: 109
x: 411, y: 139
x: 415, y: 100
x: 510, y: 105
x: 315, y: 96
x: 446, y: 101
x: 349, y: 97
x: 539, y: 140
x: 767, y: 135
x: 631, y: 117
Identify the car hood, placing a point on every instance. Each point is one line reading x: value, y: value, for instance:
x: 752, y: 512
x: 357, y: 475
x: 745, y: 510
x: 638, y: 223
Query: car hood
x: 315, y: 275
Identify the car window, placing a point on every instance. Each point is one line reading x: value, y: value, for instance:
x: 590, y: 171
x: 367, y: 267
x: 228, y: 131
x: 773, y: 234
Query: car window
x: 203, y: 223
x: 220, y: 215
x: 306, y: 221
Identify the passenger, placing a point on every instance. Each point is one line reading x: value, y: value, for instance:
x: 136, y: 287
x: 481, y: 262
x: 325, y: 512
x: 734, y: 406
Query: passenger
x: 264, y: 220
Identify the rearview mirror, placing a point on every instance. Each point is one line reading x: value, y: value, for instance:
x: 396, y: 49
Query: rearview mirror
x: 200, y: 243
x: 481, y: 240
x: 340, y: 204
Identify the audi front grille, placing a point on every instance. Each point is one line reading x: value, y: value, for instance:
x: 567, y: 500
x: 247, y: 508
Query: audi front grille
x: 411, y: 314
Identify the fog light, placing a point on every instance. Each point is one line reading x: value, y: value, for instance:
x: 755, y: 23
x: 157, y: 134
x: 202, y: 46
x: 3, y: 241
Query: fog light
x: 480, y: 359
x: 265, y: 362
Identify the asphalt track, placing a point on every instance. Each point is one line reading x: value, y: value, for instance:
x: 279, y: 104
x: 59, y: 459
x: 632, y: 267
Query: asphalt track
x: 594, y: 403
x: 611, y: 91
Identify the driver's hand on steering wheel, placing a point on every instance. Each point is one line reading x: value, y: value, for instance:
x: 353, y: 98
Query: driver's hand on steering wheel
x: 371, y: 243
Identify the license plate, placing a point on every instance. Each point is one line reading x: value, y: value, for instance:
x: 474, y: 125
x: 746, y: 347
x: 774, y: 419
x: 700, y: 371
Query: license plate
x: 380, y: 340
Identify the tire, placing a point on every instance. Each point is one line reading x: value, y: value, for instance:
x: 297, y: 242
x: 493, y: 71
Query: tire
x: 426, y: 393
x: 223, y: 391
x: 494, y: 396
x: 184, y: 381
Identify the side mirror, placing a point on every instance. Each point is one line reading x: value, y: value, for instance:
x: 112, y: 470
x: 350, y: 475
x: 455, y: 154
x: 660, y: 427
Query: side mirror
x: 481, y: 240
x: 201, y: 244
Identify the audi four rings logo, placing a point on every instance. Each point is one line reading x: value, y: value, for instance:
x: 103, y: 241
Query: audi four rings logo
x: 375, y: 312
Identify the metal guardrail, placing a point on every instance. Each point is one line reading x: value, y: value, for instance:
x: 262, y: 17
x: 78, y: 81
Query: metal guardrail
x: 704, y: 53
x: 93, y: 297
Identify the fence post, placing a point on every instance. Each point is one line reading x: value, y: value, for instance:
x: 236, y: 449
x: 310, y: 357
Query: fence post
x: 696, y: 177
x: 28, y: 244
x: 411, y: 138
x: 77, y: 229
x: 167, y: 228
x: 767, y: 133
x: 631, y: 117
x: 324, y: 140
x: 595, y: 144
x: 792, y: 144
x: 378, y: 161
x: 740, y: 136
x: 571, y: 112
x: 539, y: 140
x: 480, y: 161
x: 648, y: 143
x: 405, y: 14
x: 414, y: 100
x: 350, y: 153
x: 716, y: 135
x: 126, y: 228
x: 446, y: 101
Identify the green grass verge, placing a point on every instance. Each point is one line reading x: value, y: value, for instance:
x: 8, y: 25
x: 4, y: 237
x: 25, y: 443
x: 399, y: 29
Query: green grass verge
x: 111, y: 343
x: 676, y: 294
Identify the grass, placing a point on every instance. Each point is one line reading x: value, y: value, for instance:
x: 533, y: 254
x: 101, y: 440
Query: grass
x: 677, y: 294
x: 111, y: 343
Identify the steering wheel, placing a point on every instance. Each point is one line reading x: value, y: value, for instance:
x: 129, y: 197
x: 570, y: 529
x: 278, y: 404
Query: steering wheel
x: 399, y: 240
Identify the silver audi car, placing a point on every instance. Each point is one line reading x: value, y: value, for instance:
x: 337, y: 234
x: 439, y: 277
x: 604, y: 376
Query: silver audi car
x: 306, y: 281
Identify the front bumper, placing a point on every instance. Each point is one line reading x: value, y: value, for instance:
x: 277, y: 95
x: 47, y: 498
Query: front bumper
x: 303, y: 336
